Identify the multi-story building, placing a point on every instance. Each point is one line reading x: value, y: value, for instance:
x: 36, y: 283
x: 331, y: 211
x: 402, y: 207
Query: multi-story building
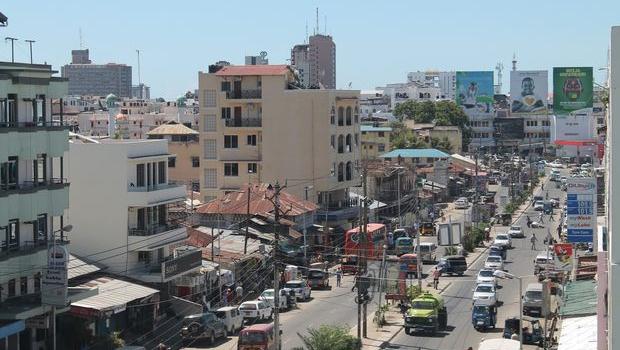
x: 141, y: 92
x: 34, y: 196
x: 375, y: 140
x: 254, y: 60
x: 373, y: 101
x: 316, y: 61
x: 537, y: 132
x: 86, y: 78
x: 123, y: 203
x: 183, y: 143
x: 445, y: 81
x: 257, y: 126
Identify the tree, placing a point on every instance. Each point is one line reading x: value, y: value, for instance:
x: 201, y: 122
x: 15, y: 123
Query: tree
x: 441, y: 144
x: 330, y: 337
x: 406, y: 139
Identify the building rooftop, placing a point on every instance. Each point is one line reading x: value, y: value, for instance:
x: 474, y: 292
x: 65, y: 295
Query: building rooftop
x: 580, y: 299
x: 172, y: 128
x: 280, y: 69
x: 372, y: 128
x: 416, y: 153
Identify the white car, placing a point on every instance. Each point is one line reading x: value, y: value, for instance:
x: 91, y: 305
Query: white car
x: 485, y: 291
x: 556, y: 164
x: 301, y: 288
x: 516, y: 231
x: 486, y: 276
x: 539, y: 205
x: 536, y: 224
x: 494, y: 263
x: 503, y: 240
x: 461, y: 203
x: 268, y: 295
x: 256, y: 310
x: 231, y: 317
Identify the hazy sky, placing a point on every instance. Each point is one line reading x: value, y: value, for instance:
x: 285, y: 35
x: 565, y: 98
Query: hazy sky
x: 377, y: 42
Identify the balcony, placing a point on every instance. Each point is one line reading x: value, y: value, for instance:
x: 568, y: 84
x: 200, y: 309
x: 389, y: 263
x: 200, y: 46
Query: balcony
x: 153, y: 195
x: 244, y: 94
x: 339, y: 210
x: 155, y: 236
x: 27, y: 248
x: 244, y: 122
x: 154, y: 229
x: 27, y: 200
x: 6, y: 126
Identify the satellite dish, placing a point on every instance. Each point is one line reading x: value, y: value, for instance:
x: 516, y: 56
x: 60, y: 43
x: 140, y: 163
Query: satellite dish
x: 263, y: 54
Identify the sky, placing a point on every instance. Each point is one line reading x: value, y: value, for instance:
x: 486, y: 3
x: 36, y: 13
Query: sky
x: 377, y: 42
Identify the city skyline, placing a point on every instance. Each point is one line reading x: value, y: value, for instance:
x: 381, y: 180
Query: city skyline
x: 368, y: 40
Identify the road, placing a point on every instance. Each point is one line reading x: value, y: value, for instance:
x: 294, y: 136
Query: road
x: 460, y: 333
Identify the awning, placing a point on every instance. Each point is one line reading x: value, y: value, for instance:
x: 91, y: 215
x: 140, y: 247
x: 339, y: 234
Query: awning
x: 578, y: 333
x: 576, y: 142
x: 77, y: 267
x: 114, y: 294
x: 8, y: 328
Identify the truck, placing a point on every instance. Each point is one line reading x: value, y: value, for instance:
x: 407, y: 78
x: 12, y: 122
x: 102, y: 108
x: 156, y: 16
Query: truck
x: 200, y: 326
x: 426, y: 314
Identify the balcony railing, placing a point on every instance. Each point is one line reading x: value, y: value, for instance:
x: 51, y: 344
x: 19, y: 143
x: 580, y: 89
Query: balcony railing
x: 244, y: 122
x: 150, y: 188
x: 254, y: 93
x: 11, y: 249
x: 32, y: 186
x: 30, y: 125
x: 154, y: 230
x: 339, y: 205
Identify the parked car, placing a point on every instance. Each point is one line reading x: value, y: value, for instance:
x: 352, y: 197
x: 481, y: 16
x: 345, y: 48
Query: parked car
x: 495, y: 250
x: 258, y: 336
x: 318, y: 279
x: 485, y: 291
x: 461, y: 203
x: 503, y: 240
x: 533, y: 299
x: 301, y: 288
x: 494, y: 263
x: 256, y: 310
x: 516, y: 231
x: 427, y: 251
x: 201, y: 326
x: 452, y: 264
x: 542, y: 262
x: 231, y: 317
x: 269, y: 296
x: 539, y: 205
x: 486, y: 276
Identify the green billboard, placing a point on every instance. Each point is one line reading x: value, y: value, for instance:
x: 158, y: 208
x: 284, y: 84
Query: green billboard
x: 572, y: 89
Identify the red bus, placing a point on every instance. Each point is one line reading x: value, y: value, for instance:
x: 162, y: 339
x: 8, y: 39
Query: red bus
x: 375, y: 240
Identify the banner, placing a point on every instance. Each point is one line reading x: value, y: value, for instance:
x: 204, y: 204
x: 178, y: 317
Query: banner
x: 474, y: 90
x: 572, y: 89
x: 528, y: 91
x: 54, y: 285
x: 581, y: 209
x: 563, y: 256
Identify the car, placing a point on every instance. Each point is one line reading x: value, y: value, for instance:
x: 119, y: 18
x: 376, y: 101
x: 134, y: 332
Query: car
x: 201, y: 326
x: 256, y: 310
x: 539, y: 205
x: 586, y: 166
x: 556, y: 164
x: 494, y: 263
x: 427, y: 251
x: 485, y: 291
x: 503, y: 240
x: 301, y: 288
x: 461, y: 203
x: 486, y: 276
x: 231, y: 317
x: 495, y: 250
x: 318, y: 279
x: 536, y: 224
x: 269, y: 296
x: 516, y: 231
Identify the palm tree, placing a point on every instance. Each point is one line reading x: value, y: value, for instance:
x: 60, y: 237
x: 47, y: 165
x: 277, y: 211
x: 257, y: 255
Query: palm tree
x: 329, y: 337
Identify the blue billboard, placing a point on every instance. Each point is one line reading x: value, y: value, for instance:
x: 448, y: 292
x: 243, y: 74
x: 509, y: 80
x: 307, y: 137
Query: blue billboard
x: 474, y: 90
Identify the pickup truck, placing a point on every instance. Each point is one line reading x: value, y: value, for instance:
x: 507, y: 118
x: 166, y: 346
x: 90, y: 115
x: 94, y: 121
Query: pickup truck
x: 200, y: 326
x: 427, y: 314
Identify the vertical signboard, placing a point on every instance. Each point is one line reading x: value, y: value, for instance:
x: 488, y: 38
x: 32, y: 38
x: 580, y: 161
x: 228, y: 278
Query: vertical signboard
x: 54, y: 283
x: 563, y: 256
x: 581, y: 209
x: 528, y: 91
x: 474, y: 90
x: 572, y: 89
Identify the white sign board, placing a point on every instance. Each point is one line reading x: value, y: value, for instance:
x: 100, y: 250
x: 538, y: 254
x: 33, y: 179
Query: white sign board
x: 581, y: 209
x: 54, y: 283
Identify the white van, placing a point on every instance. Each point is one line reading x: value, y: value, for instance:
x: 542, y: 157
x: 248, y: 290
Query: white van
x: 427, y: 251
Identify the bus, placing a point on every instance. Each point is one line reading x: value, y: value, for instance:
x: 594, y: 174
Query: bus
x: 375, y: 240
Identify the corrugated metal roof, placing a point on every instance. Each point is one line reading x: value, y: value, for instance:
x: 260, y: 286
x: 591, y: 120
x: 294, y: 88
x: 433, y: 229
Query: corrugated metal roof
x: 578, y: 333
x: 263, y: 69
x: 416, y: 153
x: 113, y: 293
x: 579, y: 299
x: 78, y: 267
x: 371, y: 128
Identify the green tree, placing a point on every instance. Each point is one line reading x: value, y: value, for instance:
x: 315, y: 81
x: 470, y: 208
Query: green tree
x: 441, y: 144
x: 406, y: 139
x: 330, y: 337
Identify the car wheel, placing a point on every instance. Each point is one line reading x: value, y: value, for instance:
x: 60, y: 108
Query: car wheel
x: 212, y: 338
x: 226, y: 333
x: 407, y: 330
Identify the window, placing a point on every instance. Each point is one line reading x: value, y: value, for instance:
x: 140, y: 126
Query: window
x: 225, y: 112
x: 231, y: 141
x: 13, y: 234
x: 37, y: 282
x: 144, y: 257
x: 210, y: 149
x: 252, y: 168
x: 195, y: 162
x: 225, y: 86
x: 340, y: 172
x: 140, y: 175
x: 161, y: 173
x: 349, y: 112
x: 40, y: 229
x: 209, y: 123
x: 23, y: 285
x: 209, y: 98
x: 357, y: 139
x: 172, y: 162
x: 11, y: 288
x: 231, y: 169
x: 332, y: 118
x: 333, y: 141
x: 340, y: 116
x: 356, y: 115
x: 349, y: 171
x: 381, y: 147
x: 8, y: 174
x: 340, y: 144
x: 39, y: 166
x: 251, y: 140
x: 363, y: 132
x: 210, y: 178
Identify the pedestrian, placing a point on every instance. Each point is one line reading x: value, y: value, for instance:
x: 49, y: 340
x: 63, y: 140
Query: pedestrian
x: 542, y: 186
x: 239, y: 293
x: 551, y: 218
x: 162, y: 346
x: 355, y: 282
x: 533, y: 240
x: 436, y: 274
x: 338, y: 277
x: 540, y: 217
x: 229, y: 296
x: 224, y: 298
x: 529, y: 222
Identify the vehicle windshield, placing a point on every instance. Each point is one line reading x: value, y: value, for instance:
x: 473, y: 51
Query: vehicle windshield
x: 428, y: 225
x: 267, y: 294
x: 515, y: 228
x: 248, y: 307
x: 424, y: 248
x: 481, y: 309
x: 404, y: 241
x: 501, y: 237
x: 315, y: 274
x: 293, y: 285
x: 252, y: 338
x: 220, y: 314
x: 533, y: 295
x: 494, y: 259
x: 486, y: 273
x: 423, y: 305
x: 484, y: 289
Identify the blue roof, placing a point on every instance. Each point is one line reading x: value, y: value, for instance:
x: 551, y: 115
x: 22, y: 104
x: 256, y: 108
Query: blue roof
x: 416, y: 153
x: 375, y: 128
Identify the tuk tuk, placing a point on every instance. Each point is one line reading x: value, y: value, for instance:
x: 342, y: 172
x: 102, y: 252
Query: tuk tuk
x: 403, y: 245
x: 531, y: 335
x: 427, y: 228
x: 483, y: 314
x: 348, y: 264
x: 504, y: 219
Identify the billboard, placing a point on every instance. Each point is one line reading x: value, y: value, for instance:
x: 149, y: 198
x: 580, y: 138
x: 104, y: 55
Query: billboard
x: 474, y: 90
x: 528, y: 91
x: 581, y: 209
x: 55, y: 278
x: 508, y: 128
x: 572, y: 89
x: 563, y: 256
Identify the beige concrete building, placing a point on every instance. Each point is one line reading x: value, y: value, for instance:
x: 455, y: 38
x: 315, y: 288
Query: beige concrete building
x: 257, y: 126
x: 184, y: 164
x: 426, y: 131
x: 375, y: 140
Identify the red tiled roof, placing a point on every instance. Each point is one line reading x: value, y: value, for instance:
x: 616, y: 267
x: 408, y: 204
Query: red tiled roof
x: 263, y: 69
x: 198, y: 238
x: 236, y: 203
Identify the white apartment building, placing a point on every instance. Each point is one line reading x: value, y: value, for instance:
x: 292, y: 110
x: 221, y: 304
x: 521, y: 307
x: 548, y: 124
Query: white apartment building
x: 122, y: 204
x: 257, y: 126
x: 373, y: 101
x: 445, y: 81
x: 536, y: 131
x: 401, y: 92
x: 34, y: 196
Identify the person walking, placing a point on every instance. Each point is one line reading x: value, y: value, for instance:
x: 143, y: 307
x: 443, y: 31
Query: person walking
x: 533, y: 240
x: 436, y: 274
x: 528, y: 222
x: 551, y: 218
x: 542, y: 186
x: 239, y: 293
x: 338, y: 278
x: 540, y: 217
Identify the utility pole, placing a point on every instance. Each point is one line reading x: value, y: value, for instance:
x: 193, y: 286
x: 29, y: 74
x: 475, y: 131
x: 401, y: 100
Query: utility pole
x: 247, y: 224
x: 400, y: 223
x: 529, y: 153
x: 364, y: 239
x: 139, y: 78
x: 30, y: 44
x: 12, y: 47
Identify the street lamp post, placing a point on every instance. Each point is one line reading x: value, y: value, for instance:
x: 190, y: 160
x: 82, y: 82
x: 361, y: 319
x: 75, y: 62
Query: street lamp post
x: 506, y: 275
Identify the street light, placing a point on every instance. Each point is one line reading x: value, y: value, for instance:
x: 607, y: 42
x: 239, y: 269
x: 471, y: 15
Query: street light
x: 505, y: 275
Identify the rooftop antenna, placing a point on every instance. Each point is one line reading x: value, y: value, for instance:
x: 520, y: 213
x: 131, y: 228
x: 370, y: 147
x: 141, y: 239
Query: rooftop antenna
x: 306, y: 38
x: 30, y: 44
x: 81, y: 41
x: 317, y: 21
x: 12, y: 47
x: 139, y: 78
x: 499, y: 68
x: 325, y: 24
x: 514, y: 61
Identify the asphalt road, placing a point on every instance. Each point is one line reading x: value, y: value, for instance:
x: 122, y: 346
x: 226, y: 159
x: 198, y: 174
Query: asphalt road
x: 460, y: 333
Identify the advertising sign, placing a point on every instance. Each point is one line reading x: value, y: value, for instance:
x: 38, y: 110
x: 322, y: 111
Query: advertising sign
x: 572, y: 127
x: 508, y: 128
x: 563, y: 256
x: 474, y: 90
x: 54, y: 283
x: 581, y: 209
x: 528, y: 91
x: 572, y: 89
x: 182, y: 263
